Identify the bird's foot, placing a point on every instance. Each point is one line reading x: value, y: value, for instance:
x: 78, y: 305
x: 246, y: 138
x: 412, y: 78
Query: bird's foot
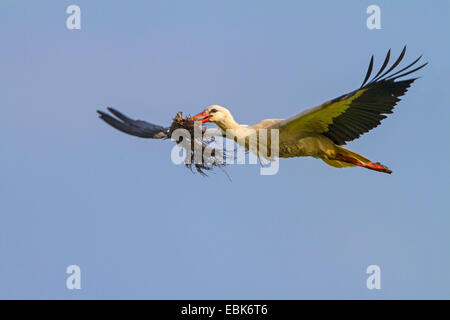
x: 378, y: 167
x: 372, y: 166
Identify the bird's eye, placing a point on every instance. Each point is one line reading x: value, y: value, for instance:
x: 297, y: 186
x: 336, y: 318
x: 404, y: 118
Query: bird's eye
x: 212, y: 110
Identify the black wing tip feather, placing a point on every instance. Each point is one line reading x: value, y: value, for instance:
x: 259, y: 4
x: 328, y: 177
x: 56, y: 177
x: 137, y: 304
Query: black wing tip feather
x: 379, y: 98
x: 379, y: 77
x: 136, y: 128
x: 115, y: 112
x: 104, y: 116
x: 369, y: 72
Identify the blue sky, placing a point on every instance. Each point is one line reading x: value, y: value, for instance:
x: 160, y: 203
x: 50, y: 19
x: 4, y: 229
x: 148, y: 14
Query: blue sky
x: 75, y: 191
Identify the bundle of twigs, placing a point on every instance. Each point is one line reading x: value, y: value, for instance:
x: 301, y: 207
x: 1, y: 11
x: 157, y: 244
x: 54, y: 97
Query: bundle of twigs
x: 210, y: 159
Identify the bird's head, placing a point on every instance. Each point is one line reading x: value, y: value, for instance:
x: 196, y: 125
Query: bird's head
x: 215, y: 114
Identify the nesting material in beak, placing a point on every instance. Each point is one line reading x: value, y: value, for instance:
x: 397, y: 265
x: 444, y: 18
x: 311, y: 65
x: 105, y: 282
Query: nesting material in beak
x: 188, y: 123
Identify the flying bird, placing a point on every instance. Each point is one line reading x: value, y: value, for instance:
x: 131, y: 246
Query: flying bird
x: 318, y: 132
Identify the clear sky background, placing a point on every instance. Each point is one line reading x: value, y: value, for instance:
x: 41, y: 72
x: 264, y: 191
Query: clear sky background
x: 75, y: 191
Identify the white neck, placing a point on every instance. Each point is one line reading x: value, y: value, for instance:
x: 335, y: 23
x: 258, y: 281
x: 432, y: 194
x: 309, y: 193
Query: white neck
x: 228, y: 123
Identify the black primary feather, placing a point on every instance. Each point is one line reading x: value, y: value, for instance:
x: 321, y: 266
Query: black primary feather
x: 380, y: 96
x: 138, y: 128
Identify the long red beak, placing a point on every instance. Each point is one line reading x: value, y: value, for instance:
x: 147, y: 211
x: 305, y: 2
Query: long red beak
x: 203, y: 116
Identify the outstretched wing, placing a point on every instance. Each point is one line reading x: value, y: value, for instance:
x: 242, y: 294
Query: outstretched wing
x: 347, y: 117
x: 136, y: 128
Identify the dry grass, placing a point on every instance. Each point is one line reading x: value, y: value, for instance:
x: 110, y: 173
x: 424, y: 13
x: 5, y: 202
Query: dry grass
x: 208, y: 163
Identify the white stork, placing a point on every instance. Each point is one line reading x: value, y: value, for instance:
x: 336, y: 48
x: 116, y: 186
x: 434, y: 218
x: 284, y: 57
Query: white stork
x: 318, y: 132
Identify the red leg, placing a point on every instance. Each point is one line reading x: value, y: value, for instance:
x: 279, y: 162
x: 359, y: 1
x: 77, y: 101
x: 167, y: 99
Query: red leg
x: 378, y: 167
x: 372, y: 166
x: 348, y: 159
